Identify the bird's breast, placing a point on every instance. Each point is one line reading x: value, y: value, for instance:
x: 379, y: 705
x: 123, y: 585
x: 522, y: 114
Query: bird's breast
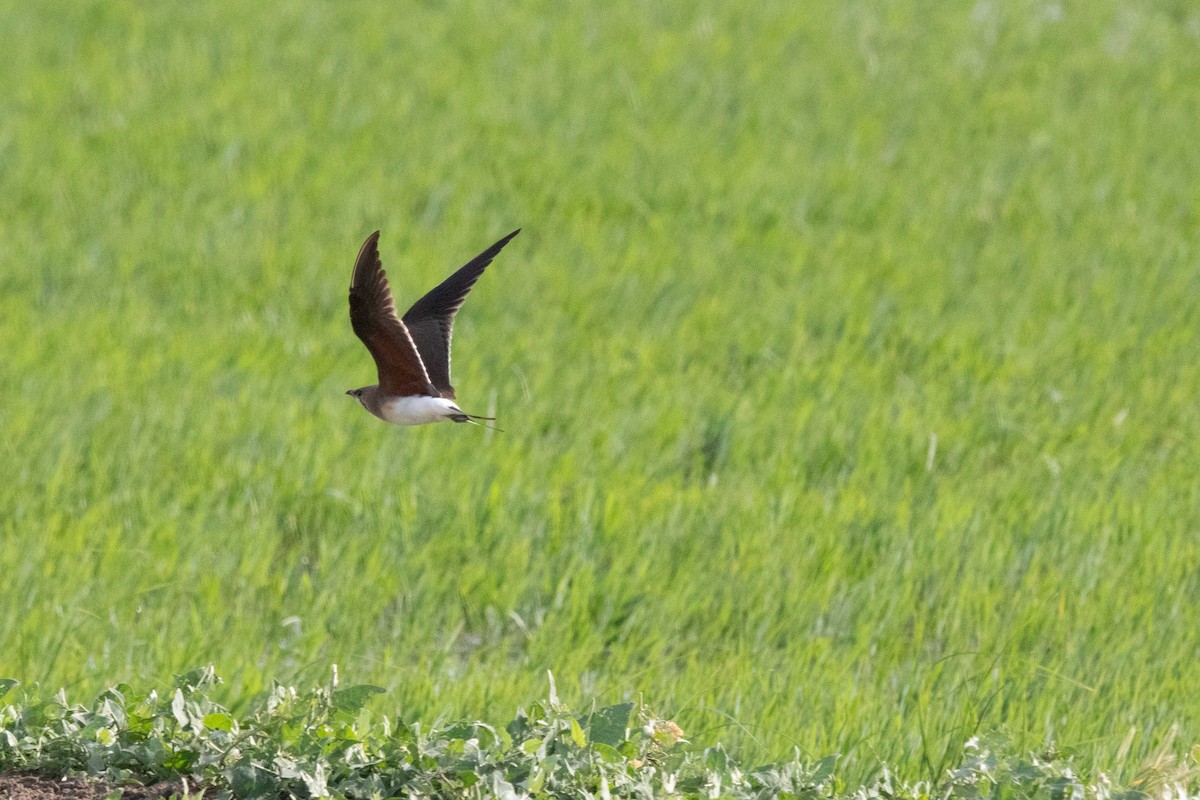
x: 417, y: 410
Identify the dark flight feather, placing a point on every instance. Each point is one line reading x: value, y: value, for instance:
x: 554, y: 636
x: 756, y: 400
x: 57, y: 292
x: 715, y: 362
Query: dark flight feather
x: 430, y: 321
x: 373, y: 317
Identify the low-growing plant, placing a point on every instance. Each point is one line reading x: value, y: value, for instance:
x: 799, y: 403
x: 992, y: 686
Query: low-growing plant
x: 327, y: 742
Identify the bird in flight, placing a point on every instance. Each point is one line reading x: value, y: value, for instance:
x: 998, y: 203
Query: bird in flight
x: 412, y: 353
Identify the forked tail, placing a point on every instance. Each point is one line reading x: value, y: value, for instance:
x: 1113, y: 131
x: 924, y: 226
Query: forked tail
x: 471, y: 418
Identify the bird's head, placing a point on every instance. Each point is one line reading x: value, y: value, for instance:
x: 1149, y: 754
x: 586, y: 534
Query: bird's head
x: 359, y: 394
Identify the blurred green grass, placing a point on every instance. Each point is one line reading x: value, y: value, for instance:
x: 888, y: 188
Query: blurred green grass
x: 771, y: 254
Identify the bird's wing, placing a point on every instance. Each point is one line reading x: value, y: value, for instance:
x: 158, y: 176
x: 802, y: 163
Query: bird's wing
x: 373, y: 316
x: 431, y: 319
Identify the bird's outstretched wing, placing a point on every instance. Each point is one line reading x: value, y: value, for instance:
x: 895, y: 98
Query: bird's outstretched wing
x: 430, y: 321
x: 373, y: 316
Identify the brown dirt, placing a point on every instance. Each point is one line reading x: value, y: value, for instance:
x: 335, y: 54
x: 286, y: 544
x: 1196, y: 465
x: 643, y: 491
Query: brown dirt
x: 32, y: 787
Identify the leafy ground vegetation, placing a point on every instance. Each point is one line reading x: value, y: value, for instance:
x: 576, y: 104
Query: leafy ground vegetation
x: 327, y: 743
x: 847, y: 364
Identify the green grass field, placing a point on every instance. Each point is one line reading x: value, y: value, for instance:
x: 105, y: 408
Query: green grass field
x: 848, y: 363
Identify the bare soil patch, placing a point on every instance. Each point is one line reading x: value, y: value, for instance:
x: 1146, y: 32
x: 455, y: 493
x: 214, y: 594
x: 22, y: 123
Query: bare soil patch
x: 34, y: 787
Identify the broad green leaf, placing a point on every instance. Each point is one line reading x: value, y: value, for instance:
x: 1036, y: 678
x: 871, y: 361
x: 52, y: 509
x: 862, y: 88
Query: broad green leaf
x: 823, y: 769
x: 247, y: 780
x: 537, y: 781
x: 607, y: 752
x: 577, y: 733
x: 218, y: 722
x: 519, y: 726
x: 609, y: 725
x: 353, y: 698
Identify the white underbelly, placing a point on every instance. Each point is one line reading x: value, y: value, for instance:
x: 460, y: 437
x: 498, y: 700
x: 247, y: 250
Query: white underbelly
x: 418, y: 410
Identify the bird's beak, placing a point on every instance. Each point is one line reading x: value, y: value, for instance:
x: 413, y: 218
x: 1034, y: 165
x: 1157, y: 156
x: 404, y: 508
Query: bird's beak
x: 350, y: 391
